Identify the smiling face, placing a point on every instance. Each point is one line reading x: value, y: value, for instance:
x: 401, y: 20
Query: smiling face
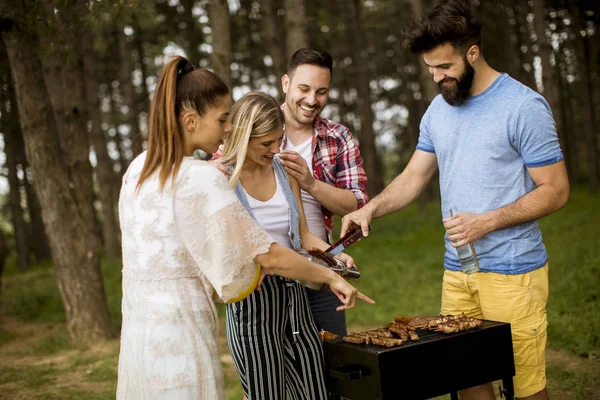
x: 306, y: 93
x: 452, y: 72
x: 207, y: 132
x: 262, y: 149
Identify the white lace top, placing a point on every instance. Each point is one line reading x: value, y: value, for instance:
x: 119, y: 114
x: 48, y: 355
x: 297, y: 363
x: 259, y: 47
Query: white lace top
x: 182, y: 248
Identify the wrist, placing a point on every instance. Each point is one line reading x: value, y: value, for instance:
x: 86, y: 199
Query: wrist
x: 371, y: 209
x: 311, y: 186
x: 331, y: 277
x: 489, y: 222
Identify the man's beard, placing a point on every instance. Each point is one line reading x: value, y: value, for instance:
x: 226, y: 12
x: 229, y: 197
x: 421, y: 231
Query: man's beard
x: 457, y: 94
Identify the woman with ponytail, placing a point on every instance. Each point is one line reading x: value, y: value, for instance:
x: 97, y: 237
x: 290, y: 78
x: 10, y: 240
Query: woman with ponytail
x: 271, y: 334
x: 186, y: 241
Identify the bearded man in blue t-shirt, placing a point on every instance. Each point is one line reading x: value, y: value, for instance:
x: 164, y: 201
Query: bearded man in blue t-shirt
x: 494, y: 142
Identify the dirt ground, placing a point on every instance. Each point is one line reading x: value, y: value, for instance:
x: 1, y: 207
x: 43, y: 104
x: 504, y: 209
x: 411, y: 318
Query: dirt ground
x: 36, y: 362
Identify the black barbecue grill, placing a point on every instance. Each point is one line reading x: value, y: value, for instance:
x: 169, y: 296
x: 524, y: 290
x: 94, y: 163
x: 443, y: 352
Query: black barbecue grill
x: 436, y: 364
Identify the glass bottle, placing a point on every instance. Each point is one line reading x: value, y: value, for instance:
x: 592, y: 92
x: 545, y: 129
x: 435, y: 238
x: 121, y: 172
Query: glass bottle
x: 466, y: 254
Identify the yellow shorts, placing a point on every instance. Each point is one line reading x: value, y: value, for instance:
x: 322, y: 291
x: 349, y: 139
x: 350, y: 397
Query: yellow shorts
x: 517, y: 299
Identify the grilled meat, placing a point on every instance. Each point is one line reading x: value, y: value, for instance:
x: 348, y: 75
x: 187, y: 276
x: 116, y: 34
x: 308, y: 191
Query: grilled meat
x: 419, y: 322
x: 356, y: 339
x: 402, y: 319
x: 387, y: 342
x: 413, y: 336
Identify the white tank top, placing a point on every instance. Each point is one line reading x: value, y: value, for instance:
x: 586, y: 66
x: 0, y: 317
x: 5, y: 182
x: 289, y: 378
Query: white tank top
x: 273, y: 215
x: 312, y: 208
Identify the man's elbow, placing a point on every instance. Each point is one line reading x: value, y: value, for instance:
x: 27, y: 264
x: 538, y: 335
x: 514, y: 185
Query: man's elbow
x: 562, y: 196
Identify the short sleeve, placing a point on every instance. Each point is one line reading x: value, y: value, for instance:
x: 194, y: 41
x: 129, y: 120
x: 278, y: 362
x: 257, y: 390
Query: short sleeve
x: 217, y: 231
x: 535, y: 135
x: 425, y: 143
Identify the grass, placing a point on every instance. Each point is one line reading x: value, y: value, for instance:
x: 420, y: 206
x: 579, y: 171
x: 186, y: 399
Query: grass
x: 401, y: 264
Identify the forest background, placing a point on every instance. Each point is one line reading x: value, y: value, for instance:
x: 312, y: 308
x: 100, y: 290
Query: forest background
x: 76, y: 80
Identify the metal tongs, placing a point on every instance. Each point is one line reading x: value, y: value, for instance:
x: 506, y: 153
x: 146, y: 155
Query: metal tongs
x: 328, y: 260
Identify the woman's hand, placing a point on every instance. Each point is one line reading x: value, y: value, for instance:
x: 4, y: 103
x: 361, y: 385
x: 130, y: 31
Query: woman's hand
x: 347, y: 293
x: 346, y: 259
x: 263, y: 275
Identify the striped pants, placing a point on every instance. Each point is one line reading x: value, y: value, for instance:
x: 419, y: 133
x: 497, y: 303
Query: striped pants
x: 274, y: 343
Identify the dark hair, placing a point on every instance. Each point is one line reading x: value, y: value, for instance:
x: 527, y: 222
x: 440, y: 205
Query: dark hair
x: 450, y: 22
x: 320, y: 58
x: 180, y: 87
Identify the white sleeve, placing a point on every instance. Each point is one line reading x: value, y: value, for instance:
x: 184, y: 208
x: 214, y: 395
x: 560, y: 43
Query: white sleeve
x: 218, y: 232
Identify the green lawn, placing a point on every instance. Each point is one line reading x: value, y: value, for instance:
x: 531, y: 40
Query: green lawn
x: 401, y: 264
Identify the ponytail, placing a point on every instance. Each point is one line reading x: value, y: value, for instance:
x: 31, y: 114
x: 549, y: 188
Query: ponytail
x: 180, y: 87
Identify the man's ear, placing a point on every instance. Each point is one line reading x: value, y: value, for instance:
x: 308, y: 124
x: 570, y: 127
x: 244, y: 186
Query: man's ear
x: 285, y: 83
x: 189, y: 121
x: 473, y: 54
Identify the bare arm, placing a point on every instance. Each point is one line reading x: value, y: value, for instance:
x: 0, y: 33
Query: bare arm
x: 285, y: 262
x: 339, y: 201
x: 405, y: 188
x: 308, y: 238
x: 550, y: 195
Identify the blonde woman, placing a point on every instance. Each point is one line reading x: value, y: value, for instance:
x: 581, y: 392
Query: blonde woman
x: 271, y: 334
x: 186, y: 241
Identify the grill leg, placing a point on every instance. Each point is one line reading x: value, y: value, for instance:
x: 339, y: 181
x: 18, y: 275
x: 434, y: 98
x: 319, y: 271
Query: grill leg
x: 508, y: 391
x: 454, y: 395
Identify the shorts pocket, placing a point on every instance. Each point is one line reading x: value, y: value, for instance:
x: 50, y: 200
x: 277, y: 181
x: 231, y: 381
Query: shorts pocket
x: 529, y: 347
x: 521, y: 281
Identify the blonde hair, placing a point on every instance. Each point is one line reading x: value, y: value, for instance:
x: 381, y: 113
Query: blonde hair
x: 180, y: 87
x: 256, y: 114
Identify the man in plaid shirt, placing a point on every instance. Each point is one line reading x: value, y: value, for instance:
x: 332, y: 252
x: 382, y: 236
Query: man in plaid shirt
x: 323, y: 156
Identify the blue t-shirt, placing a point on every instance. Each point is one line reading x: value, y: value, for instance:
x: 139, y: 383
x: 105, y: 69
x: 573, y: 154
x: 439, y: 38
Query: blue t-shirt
x: 483, y: 150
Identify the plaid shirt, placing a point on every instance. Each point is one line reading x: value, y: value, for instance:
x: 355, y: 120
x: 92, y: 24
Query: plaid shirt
x: 336, y: 161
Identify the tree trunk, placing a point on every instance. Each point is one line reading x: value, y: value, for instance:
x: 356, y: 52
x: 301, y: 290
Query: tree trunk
x: 568, y: 137
x: 341, y: 79
x: 193, y: 33
x: 296, y: 23
x: 522, y: 34
x: 550, y: 91
x: 10, y: 131
x: 138, y: 42
x: 127, y: 93
x: 41, y: 245
x: 428, y: 87
x: 273, y: 43
x: 104, y: 166
x: 220, y: 58
x: 48, y: 34
x: 63, y: 178
x: 123, y: 162
x: 4, y: 250
x: 582, y: 51
x: 368, y: 147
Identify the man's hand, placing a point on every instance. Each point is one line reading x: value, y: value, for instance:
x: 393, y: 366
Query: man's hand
x: 296, y: 166
x: 221, y: 167
x: 361, y: 217
x: 465, y: 228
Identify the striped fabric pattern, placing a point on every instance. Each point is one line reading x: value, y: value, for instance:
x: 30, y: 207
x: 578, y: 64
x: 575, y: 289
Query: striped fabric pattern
x: 274, y: 343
